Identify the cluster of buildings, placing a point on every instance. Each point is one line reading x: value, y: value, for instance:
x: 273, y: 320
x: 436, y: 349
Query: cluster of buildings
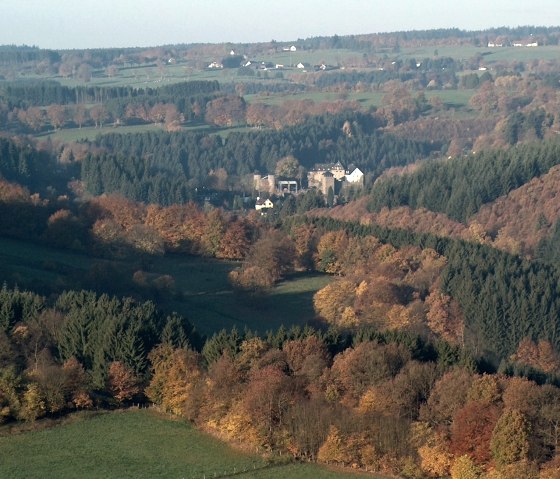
x: 323, y: 177
x: 513, y: 44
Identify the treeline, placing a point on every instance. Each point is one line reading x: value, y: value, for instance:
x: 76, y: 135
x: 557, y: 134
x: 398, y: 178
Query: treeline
x: 77, y: 350
x: 460, y: 186
x: 256, y: 87
x: 441, y: 36
x: 42, y: 93
x: 13, y: 55
x: 22, y: 104
x: 429, y: 71
x: 114, y: 227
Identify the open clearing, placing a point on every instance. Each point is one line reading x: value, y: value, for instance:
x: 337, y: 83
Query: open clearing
x: 137, y: 444
x: 202, y: 292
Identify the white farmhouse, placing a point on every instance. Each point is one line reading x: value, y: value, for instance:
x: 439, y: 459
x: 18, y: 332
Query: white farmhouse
x: 263, y: 204
x: 355, y: 177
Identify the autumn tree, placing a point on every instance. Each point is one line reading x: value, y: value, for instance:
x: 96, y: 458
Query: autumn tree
x: 304, y: 242
x: 226, y: 111
x: 472, y: 429
x: 330, y: 251
x: 77, y: 384
x: 368, y: 364
x: 175, y: 377
x: 80, y: 115
x: 56, y: 115
x: 332, y: 301
x: 464, y: 468
x: 235, y: 242
x: 448, y: 395
x: 33, y: 404
x: 541, y: 355
x: 335, y: 449
x: 444, y: 317
x: 34, y: 117
x: 435, y: 458
x: 122, y: 382
x: 306, y: 357
x: 274, y: 252
x: 510, y: 438
x: 99, y: 115
x: 266, y: 400
x: 84, y: 72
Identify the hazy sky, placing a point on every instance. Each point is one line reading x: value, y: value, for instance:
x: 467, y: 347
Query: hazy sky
x: 108, y: 23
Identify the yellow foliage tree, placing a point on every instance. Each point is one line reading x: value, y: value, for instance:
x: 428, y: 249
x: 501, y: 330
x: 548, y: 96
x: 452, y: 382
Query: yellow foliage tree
x: 331, y: 301
x: 334, y: 449
x: 175, y: 374
x: 464, y: 468
x: 435, y: 458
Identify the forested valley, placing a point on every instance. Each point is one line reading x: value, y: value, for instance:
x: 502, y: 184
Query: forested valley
x: 422, y: 333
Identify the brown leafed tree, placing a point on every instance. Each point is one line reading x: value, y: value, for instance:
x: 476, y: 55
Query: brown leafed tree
x: 122, y: 382
x: 471, y: 431
x: 99, y: 115
x: 57, y: 116
x: 225, y: 111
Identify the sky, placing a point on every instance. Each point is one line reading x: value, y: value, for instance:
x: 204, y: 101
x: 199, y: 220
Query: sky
x: 62, y: 24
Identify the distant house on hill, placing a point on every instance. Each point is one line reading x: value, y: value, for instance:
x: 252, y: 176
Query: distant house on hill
x: 263, y: 204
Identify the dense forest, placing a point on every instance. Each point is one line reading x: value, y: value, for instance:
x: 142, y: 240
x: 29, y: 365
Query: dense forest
x: 164, y: 168
x: 460, y: 186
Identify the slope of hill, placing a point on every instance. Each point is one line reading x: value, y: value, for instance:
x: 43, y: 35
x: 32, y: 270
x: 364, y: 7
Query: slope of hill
x: 418, y: 220
x: 527, y: 214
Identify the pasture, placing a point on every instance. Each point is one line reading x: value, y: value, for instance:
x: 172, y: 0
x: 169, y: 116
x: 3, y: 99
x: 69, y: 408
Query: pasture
x: 137, y: 444
x: 67, y: 135
x: 491, y: 55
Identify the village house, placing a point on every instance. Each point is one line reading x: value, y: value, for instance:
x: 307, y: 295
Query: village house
x: 356, y: 177
x: 263, y: 204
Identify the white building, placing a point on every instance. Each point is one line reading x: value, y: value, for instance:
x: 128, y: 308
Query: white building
x: 263, y: 204
x: 355, y: 177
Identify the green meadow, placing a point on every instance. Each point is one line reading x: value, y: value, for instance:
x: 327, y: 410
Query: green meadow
x: 137, y: 444
x: 202, y: 292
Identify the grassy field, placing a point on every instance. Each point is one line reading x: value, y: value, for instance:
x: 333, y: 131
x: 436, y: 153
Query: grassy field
x: 202, y: 291
x: 137, y: 444
x: 90, y: 133
x: 452, y: 98
x: 491, y: 55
